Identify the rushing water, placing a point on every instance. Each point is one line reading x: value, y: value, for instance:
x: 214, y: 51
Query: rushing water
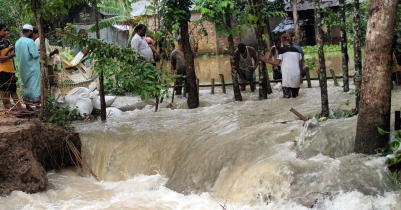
x: 244, y: 155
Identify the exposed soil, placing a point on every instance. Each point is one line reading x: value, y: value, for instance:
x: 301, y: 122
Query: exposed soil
x: 29, y: 148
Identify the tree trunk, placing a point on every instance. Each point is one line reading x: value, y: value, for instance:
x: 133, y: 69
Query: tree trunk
x: 269, y: 34
x: 17, y: 19
x: 358, y: 53
x: 231, y: 50
x: 297, y: 29
x: 262, y: 47
x: 375, y: 103
x: 193, y: 98
x: 43, y: 67
x: 344, y: 47
x: 101, y: 77
x: 268, y: 47
x: 322, y: 68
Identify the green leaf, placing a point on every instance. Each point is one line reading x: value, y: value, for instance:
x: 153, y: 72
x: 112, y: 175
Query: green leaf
x: 395, y: 145
x: 381, y: 131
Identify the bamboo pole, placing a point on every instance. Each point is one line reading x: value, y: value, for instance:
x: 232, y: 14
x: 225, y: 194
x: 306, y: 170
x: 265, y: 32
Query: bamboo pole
x: 172, y: 98
x: 251, y: 83
x: 333, y: 74
x: 298, y: 114
x: 197, y: 84
x: 185, y: 90
x: 212, y: 86
x: 397, y: 121
x: 223, y: 84
x: 307, y: 69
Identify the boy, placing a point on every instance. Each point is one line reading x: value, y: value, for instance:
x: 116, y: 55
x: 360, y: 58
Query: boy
x: 8, y: 81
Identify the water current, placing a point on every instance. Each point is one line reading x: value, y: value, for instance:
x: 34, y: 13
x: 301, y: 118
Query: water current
x: 223, y: 155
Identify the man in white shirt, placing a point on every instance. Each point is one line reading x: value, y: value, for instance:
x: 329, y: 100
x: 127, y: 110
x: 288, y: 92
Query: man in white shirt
x: 49, y: 54
x: 140, y: 45
x: 291, y: 67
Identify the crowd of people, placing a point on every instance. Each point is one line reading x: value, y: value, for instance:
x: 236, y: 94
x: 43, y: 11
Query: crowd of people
x: 27, y: 54
x: 285, y: 57
x: 287, y: 61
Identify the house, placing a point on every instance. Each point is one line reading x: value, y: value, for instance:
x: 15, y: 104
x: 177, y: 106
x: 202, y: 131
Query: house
x: 83, y: 17
x: 307, y: 22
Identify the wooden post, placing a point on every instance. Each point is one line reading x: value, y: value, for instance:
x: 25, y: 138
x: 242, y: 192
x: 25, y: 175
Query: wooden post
x: 307, y: 69
x: 397, y: 121
x: 172, y: 98
x: 157, y: 103
x: 298, y: 114
x: 185, y: 89
x: 223, y: 84
x: 333, y: 74
x: 212, y: 86
x: 197, y: 84
x: 251, y: 82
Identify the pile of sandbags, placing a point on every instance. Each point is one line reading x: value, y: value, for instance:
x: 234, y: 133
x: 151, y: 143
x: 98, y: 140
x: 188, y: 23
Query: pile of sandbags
x: 87, y: 99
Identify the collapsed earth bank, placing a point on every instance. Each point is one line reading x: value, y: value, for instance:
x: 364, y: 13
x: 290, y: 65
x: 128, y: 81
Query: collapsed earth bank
x: 29, y: 148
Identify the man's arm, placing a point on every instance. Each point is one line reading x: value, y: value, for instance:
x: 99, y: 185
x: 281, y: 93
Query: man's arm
x: 255, y: 59
x: 135, y: 44
x: 157, y: 55
x: 50, y: 54
x: 8, y: 54
x: 274, y: 63
x: 271, y: 53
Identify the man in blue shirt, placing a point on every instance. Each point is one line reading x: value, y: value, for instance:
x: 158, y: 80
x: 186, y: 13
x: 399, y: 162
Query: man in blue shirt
x: 29, y: 67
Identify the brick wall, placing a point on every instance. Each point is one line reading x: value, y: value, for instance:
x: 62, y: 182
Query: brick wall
x: 206, y: 44
x: 223, y: 43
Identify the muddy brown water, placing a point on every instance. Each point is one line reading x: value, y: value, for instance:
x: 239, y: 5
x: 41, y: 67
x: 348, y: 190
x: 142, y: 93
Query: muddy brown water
x: 244, y: 155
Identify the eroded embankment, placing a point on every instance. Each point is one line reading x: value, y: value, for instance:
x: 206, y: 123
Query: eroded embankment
x: 29, y: 148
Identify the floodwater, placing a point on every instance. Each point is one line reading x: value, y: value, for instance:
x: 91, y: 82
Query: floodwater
x: 208, y: 67
x: 240, y: 155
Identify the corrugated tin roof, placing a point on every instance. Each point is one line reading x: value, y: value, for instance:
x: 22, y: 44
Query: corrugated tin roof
x: 121, y: 27
x: 288, y: 25
x: 139, y: 8
x: 308, y: 5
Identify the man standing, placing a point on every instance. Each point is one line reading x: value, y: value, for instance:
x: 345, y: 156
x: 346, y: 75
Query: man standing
x: 291, y: 67
x: 29, y: 67
x: 8, y: 81
x: 178, y: 66
x: 8, y: 38
x: 49, y: 54
x: 140, y: 45
x: 243, y: 62
x: 273, y: 55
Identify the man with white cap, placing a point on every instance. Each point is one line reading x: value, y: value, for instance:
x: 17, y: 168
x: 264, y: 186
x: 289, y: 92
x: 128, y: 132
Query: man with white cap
x: 29, y: 67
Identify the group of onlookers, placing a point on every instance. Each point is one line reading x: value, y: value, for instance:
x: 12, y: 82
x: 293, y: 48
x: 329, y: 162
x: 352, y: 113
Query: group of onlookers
x: 26, y: 51
x: 287, y: 62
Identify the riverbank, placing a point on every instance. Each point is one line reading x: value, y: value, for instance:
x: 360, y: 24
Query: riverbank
x: 29, y: 148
